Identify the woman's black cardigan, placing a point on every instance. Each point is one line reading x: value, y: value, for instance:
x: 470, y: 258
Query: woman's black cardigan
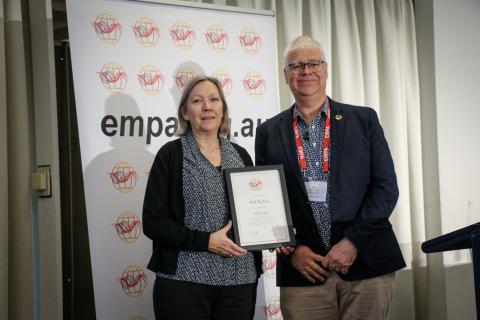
x: 164, y: 211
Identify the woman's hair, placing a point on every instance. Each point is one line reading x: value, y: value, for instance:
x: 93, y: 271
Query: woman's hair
x: 184, y: 126
x: 302, y: 42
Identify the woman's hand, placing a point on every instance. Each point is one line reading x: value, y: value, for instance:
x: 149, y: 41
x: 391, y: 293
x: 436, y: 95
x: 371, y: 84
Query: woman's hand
x: 220, y: 244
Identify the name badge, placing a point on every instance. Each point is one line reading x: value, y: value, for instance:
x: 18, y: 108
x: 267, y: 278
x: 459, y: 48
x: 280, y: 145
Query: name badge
x: 316, y: 190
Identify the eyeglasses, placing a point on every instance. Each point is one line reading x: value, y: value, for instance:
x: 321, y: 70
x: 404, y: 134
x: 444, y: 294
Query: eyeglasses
x: 298, y: 66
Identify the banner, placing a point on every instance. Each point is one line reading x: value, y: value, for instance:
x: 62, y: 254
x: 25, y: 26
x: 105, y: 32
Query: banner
x: 131, y: 61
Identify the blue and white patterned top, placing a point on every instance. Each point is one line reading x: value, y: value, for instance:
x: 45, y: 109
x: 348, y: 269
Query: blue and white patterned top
x: 206, y: 209
x: 312, y: 148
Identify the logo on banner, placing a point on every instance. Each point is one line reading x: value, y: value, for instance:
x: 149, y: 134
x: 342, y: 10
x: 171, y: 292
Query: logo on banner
x: 107, y: 28
x: 250, y: 41
x: 133, y: 281
x: 183, y: 76
x: 217, y: 38
x: 269, y: 263
x: 128, y: 227
x: 254, y: 84
x: 272, y: 308
x: 225, y: 80
x: 255, y: 184
x: 182, y: 35
x: 113, y: 77
x: 151, y: 80
x: 146, y: 32
x: 123, y: 177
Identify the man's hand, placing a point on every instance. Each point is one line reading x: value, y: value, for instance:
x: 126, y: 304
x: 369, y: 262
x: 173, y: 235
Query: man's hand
x: 285, y: 250
x: 308, y: 263
x: 341, y: 256
x: 220, y: 244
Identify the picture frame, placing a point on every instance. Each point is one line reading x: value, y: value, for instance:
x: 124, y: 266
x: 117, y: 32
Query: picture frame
x: 259, y: 207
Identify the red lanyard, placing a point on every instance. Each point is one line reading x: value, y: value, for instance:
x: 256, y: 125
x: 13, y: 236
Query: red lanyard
x: 326, y: 143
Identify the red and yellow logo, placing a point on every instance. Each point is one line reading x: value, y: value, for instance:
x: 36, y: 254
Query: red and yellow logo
x: 269, y: 263
x: 255, y: 184
x: 225, y: 80
x: 146, y: 32
x: 250, y: 41
x: 151, y: 80
x: 183, y: 35
x: 128, y: 227
x: 113, y: 77
x: 123, y: 176
x: 217, y: 38
x: 183, y: 76
x: 272, y: 308
x: 133, y: 281
x: 107, y: 28
x: 254, y: 84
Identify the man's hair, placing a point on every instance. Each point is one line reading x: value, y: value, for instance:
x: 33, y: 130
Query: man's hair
x: 185, y: 126
x: 301, y: 43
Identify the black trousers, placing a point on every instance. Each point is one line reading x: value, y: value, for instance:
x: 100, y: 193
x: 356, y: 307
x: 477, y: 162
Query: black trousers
x: 181, y: 300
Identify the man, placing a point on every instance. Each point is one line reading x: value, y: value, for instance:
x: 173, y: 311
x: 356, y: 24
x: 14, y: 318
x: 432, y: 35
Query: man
x: 342, y: 189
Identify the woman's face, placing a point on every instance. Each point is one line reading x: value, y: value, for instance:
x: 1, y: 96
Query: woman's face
x: 204, y: 109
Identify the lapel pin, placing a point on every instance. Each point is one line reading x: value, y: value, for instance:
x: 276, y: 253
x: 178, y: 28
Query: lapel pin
x: 338, y: 117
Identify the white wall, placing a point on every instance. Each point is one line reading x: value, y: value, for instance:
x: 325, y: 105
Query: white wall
x: 457, y: 86
x: 457, y: 68
x: 448, y: 50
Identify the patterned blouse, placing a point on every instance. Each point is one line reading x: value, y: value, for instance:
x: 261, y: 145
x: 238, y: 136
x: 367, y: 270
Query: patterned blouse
x: 206, y: 209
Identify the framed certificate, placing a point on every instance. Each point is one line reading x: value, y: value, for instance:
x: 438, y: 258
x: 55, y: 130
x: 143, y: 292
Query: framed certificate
x: 259, y: 206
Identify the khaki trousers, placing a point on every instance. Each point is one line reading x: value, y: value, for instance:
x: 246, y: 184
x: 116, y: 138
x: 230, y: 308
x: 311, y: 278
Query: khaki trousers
x: 337, y: 299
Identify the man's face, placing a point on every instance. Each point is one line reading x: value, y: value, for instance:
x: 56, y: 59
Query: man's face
x: 306, y: 82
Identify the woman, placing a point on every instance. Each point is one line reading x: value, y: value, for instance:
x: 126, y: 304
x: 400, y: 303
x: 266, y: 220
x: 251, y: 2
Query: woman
x: 201, y: 272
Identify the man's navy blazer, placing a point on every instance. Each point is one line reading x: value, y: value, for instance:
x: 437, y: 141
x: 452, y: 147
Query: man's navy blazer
x: 363, y: 190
